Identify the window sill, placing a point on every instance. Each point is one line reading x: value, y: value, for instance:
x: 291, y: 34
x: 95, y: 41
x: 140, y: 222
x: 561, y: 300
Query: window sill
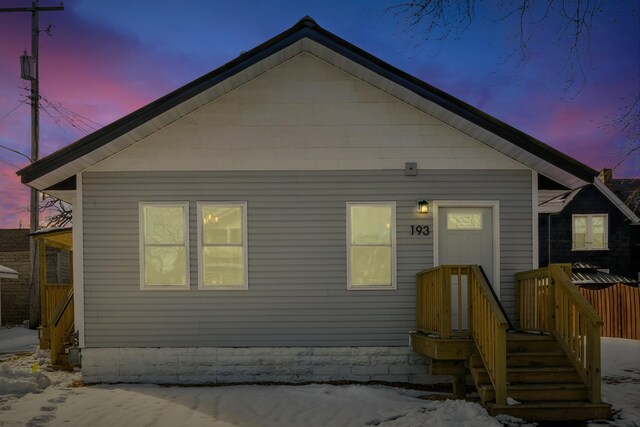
x: 589, y: 250
x: 164, y: 288
x: 371, y: 288
x: 223, y: 288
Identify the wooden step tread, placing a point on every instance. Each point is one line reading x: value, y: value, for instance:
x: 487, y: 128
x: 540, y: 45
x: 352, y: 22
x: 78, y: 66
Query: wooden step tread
x: 553, y: 411
x: 539, y: 387
x: 525, y: 375
x: 537, y: 392
x: 535, y: 369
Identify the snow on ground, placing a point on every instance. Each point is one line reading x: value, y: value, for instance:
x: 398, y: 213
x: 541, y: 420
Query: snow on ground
x: 621, y: 380
x: 15, y: 339
x: 31, y: 395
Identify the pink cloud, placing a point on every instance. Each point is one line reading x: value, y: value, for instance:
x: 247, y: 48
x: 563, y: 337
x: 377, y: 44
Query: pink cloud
x: 101, y: 75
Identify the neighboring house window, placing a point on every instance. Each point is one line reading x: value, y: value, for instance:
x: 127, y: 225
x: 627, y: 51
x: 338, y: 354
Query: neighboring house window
x: 164, y: 245
x: 222, y: 245
x: 371, y: 245
x: 590, y: 232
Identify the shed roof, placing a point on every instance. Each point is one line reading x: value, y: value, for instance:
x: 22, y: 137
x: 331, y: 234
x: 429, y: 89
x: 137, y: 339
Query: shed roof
x: 588, y: 274
x: 57, y: 171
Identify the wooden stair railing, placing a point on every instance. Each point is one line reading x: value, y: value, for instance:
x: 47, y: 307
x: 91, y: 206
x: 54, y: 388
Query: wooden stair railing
x: 487, y: 324
x: 547, y: 301
x: 61, y: 322
x: 488, y: 327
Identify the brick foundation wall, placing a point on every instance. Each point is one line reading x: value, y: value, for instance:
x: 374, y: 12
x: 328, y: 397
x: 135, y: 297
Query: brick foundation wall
x: 15, y: 292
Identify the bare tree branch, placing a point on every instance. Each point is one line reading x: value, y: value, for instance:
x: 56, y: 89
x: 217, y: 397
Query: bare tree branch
x: 57, y: 212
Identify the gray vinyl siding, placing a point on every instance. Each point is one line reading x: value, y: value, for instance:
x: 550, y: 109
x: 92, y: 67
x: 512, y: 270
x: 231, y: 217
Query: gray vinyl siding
x: 296, y: 224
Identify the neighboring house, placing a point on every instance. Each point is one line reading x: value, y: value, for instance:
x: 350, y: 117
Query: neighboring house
x: 14, y: 254
x: 590, y: 225
x: 5, y: 273
x: 261, y: 222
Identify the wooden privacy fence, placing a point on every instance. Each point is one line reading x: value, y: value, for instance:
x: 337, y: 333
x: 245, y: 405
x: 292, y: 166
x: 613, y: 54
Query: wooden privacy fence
x: 619, y: 308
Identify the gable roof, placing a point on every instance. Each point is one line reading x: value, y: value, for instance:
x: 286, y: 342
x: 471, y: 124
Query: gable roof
x: 58, y: 170
x: 557, y: 203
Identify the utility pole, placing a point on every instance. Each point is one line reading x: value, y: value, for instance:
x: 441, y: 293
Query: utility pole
x: 32, y: 74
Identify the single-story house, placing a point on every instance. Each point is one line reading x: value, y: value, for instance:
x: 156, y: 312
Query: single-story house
x: 266, y: 221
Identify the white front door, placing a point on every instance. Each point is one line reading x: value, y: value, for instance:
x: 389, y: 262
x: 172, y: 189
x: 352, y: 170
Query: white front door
x: 466, y: 235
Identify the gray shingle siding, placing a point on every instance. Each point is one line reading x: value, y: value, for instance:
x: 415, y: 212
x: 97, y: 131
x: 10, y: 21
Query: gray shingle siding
x: 297, y: 292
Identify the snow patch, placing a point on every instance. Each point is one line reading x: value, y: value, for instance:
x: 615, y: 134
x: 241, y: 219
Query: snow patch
x: 20, y: 381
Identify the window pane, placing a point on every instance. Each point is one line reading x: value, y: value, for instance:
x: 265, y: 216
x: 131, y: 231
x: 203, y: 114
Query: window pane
x: 370, y: 224
x: 580, y: 224
x: 597, y: 232
x: 222, y: 225
x: 598, y: 241
x: 163, y: 225
x: 165, y: 265
x: 223, y: 266
x: 370, y: 265
x: 464, y: 220
x: 597, y: 224
x: 580, y: 232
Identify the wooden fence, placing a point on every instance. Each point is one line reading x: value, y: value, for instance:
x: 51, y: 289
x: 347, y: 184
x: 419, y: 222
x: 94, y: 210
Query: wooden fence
x: 619, y: 307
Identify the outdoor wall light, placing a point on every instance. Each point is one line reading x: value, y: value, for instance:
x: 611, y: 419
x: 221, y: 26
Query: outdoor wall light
x: 423, y: 207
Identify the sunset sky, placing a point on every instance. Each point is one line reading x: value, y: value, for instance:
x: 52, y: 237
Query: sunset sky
x: 105, y: 59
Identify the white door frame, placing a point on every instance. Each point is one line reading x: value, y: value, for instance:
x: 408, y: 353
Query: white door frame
x: 495, y: 209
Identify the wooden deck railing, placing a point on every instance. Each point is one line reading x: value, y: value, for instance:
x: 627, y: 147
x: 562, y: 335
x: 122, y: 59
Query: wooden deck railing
x: 437, y: 290
x: 488, y: 328
x: 549, y: 302
x: 53, y: 295
x: 435, y: 310
x: 61, y: 323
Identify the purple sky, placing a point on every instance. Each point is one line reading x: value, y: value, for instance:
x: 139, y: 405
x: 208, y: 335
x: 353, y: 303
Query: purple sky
x: 106, y: 59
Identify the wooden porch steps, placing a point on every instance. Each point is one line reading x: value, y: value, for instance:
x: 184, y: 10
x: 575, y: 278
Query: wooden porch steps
x: 553, y: 411
x: 541, y: 380
x: 519, y: 375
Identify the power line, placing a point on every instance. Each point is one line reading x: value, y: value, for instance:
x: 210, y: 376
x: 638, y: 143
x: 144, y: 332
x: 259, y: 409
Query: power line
x: 15, y: 151
x: 78, y: 121
x: 20, y: 103
x: 10, y: 164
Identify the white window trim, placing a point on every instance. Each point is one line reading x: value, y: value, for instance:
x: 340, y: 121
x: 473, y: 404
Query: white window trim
x: 245, y: 247
x: 393, y: 284
x: 589, y: 236
x: 143, y: 285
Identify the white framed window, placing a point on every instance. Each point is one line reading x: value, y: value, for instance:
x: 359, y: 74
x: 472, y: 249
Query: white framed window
x: 222, y: 245
x: 164, y: 245
x: 590, y: 232
x: 371, y: 245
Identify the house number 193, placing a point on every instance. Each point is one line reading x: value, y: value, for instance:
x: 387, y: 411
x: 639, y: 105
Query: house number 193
x: 420, y: 230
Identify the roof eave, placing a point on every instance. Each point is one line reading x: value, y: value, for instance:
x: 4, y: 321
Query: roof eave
x: 306, y: 28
